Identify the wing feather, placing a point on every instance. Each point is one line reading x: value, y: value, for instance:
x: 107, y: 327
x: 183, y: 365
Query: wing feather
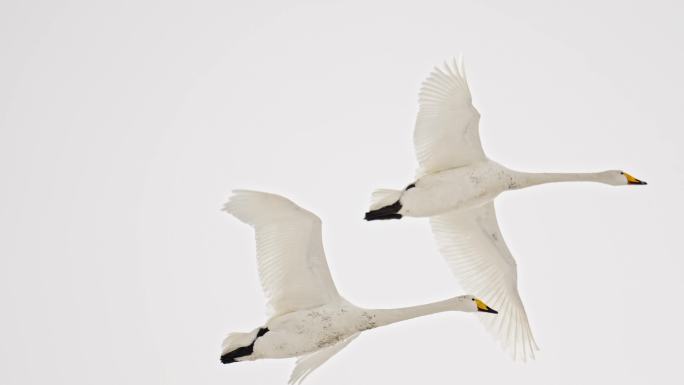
x: 446, y: 134
x: 473, y: 246
x: 292, y: 266
x: 308, y: 363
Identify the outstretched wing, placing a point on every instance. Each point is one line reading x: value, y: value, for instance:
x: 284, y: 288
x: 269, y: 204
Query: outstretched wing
x: 479, y: 258
x: 292, y: 267
x: 308, y: 363
x: 447, y: 128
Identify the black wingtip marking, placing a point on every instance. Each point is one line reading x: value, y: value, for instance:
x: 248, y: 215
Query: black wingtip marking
x: 412, y: 185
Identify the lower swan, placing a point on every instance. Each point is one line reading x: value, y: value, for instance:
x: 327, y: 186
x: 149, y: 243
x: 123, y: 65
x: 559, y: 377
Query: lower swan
x: 308, y: 317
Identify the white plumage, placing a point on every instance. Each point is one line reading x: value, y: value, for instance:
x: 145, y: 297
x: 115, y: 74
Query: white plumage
x: 472, y: 244
x: 455, y: 187
x: 446, y: 133
x: 308, y: 363
x: 292, y: 266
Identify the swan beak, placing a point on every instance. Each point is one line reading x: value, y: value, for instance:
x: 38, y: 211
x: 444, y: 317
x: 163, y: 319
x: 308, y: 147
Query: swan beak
x: 633, y: 180
x: 481, y: 306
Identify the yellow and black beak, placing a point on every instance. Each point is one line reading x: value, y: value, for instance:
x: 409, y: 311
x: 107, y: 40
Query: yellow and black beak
x: 481, y: 306
x: 633, y: 180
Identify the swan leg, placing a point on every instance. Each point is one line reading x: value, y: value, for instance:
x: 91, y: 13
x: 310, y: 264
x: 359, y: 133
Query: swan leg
x: 243, y: 351
x: 386, y: 212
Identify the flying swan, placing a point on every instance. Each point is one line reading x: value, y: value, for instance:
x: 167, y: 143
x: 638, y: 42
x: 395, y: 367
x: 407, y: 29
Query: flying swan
x: 308, y: 318
x: 455, y: 187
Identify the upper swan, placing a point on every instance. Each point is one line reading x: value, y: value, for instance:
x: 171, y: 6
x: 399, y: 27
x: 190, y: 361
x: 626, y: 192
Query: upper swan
x: 455, y: 187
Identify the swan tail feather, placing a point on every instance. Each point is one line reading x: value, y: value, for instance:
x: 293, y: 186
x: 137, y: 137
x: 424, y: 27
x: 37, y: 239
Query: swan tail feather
x: 384, y: 197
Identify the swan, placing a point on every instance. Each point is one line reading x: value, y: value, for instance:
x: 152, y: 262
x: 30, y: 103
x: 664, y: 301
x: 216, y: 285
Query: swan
x: 308, y: 317
x: 455, y: 187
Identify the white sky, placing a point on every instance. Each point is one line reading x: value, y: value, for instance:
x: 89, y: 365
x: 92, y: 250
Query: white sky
x: 124, y: 126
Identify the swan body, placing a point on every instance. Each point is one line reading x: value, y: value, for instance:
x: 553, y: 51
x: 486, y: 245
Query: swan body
x: 304, y: 331
x: 474, y: 185
x: 455, y: 188
x: 308, y: 318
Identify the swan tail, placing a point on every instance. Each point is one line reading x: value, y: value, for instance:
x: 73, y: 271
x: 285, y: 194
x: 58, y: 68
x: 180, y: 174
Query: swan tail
x: 384, y: 205
x: 384, y: 197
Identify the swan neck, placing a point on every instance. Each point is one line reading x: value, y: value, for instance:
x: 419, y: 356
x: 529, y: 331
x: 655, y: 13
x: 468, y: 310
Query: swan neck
x: 384, y: 317
x: 527, y: 179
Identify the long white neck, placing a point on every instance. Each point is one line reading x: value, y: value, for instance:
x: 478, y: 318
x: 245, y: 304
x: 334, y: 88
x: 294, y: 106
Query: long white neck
x: 381, y: 317
x: 526, y: 179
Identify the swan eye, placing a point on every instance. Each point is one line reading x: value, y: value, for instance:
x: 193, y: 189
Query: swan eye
x: 622, y: 173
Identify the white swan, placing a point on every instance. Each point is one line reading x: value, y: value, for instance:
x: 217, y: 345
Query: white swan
x: 455, y: 187
x: 308, y: 318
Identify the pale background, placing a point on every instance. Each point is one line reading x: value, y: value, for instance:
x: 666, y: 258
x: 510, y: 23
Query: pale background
x: 124, y: 126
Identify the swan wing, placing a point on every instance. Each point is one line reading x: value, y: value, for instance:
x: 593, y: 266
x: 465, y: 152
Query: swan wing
x: 447, y: 128
x: 292, y: 266
x: 308, y: 363
x: 479, y: 258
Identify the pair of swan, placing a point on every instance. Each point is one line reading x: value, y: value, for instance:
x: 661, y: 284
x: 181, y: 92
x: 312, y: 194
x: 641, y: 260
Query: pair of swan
x: 455, y: 188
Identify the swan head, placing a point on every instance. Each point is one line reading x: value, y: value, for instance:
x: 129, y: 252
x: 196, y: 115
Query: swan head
x: 619, y: 178
x: 474, y: 304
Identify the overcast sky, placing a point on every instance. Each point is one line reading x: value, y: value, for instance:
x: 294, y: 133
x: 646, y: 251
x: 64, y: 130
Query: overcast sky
x: 125, y: 125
